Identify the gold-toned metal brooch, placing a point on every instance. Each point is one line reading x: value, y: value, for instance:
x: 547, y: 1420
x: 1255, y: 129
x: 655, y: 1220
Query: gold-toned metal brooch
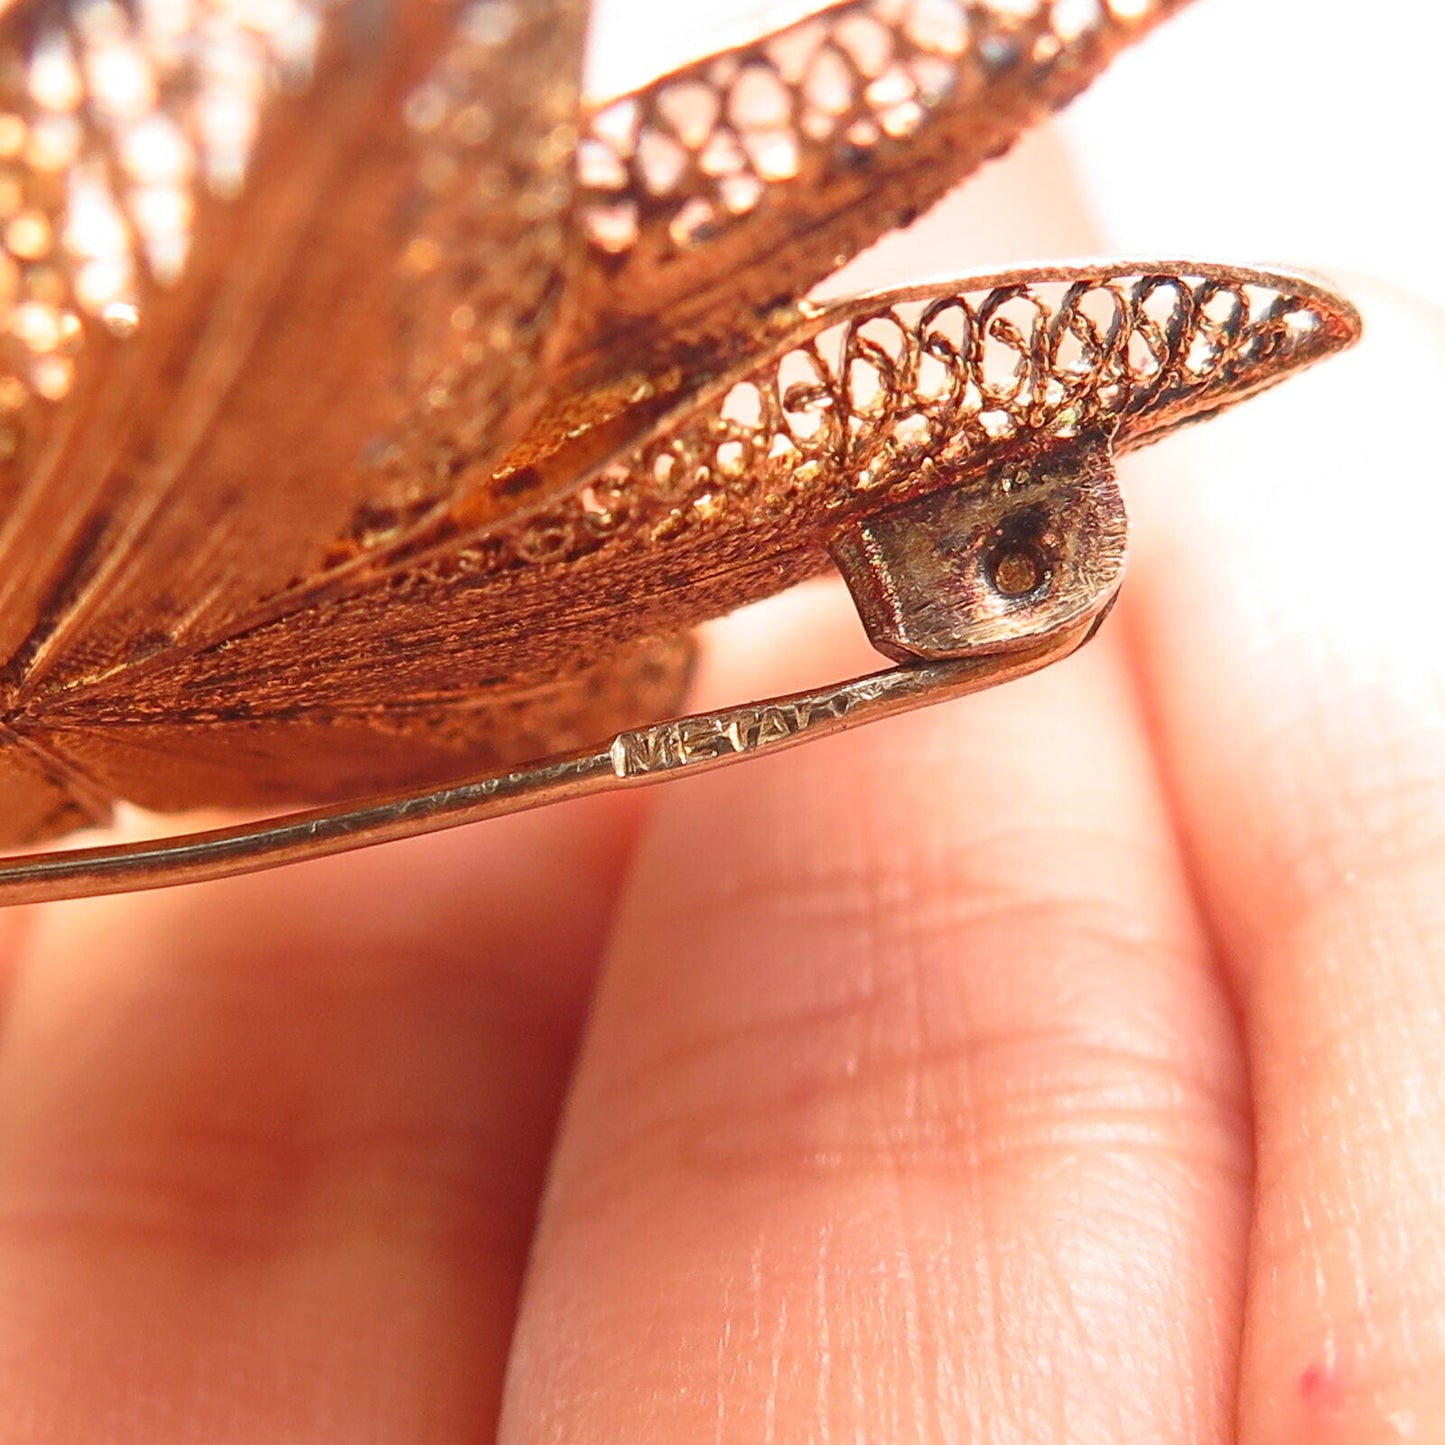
x: 376, y: 413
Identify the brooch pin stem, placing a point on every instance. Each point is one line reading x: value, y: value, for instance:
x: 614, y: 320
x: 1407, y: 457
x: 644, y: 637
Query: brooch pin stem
x: 694, y: 744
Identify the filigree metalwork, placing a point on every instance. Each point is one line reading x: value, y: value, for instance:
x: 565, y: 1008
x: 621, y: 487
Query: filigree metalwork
x: 374, y: 408
x: 871, y: 107
x: 115, y: 122
x: 674, y: 166
x: 891, y: 395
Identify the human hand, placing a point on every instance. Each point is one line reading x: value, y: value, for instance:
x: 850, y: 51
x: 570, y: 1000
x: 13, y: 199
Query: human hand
x: 1061, y: 1064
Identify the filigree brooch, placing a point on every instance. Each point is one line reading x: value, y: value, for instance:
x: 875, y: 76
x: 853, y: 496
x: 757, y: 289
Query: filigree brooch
x: 376, y: 414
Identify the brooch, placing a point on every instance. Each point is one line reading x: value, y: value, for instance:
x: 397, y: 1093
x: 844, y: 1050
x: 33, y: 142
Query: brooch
x: 377, y: 417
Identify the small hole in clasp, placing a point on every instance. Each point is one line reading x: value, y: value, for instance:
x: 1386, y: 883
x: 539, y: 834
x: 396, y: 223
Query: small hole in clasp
x: 1017, y: 569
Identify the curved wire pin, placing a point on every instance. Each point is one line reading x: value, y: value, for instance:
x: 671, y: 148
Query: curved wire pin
x: 687, y: 745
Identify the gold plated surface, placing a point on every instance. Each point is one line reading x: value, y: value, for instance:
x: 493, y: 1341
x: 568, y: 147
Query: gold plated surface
x: 634, y: 757
x: 373, y: 410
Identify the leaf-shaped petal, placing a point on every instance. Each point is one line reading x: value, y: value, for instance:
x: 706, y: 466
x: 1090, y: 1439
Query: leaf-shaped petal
x: 733, y: 495
x: 734, y: 184
x: 254, y: 322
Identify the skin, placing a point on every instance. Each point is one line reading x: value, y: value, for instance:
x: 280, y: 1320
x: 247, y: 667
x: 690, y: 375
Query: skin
x: 1065, y: 1064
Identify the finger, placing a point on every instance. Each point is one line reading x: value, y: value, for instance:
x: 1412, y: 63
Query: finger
x: 269, y: 1150
x: 910, y: 1102
x: 1286, y: 605
x: 14, y: 927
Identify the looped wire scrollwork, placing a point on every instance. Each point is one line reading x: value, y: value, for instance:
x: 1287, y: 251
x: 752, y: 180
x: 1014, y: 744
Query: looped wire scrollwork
x: 890, y: 395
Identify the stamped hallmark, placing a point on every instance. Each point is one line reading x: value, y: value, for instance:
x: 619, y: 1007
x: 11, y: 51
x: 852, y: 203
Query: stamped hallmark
x: 669, y: 746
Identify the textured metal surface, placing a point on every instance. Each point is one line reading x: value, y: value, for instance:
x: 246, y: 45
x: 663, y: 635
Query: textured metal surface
x: 965, y: 571
x: 448, y: 404
x: 636, y: 757
x: 735, y: 183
